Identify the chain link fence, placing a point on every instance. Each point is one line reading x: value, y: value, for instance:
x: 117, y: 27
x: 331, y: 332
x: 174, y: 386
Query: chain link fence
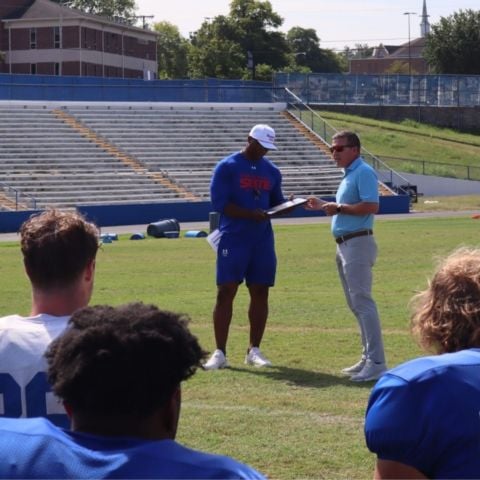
x: 411, y: 90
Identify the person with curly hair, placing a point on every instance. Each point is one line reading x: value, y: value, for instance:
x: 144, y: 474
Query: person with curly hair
x: 423, y: 417
x: 118, y: 370
x: 59, y: 251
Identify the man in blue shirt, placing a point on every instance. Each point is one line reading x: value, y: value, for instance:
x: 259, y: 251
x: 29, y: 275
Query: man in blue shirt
x: 244, y: 185
x: 118, y: 372
x: 423, y: 417
x: 352, y: 227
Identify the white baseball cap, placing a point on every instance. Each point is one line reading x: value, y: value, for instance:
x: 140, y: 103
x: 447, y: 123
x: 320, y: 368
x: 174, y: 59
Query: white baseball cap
x: 264, y: 135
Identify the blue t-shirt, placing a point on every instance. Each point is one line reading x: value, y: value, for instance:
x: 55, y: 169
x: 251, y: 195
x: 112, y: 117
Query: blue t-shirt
x: 359, y: 184
x: 247, y: 184
x: 35, y: 448
x: 426, y: 413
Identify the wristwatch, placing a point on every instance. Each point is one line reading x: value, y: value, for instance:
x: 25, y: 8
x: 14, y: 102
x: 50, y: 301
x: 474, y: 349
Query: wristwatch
x: 339, y: 208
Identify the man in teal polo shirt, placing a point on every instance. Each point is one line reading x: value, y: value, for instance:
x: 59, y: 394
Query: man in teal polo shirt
x: 352, y: 226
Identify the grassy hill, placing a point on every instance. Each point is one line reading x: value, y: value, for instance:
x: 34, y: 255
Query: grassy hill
x: 414, y: 147
x: 405, y: 145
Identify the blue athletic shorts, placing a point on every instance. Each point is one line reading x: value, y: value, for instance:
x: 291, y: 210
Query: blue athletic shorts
x: 246, y: 259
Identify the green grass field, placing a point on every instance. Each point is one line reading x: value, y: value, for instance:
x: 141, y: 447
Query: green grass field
x: 300, y: 418
x: 446, y: 152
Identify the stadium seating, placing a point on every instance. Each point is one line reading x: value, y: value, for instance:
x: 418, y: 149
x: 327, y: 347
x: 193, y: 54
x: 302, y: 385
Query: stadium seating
x: 76, y: 153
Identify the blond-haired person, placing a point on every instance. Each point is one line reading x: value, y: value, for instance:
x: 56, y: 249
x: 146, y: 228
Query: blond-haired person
x: 423, y: 417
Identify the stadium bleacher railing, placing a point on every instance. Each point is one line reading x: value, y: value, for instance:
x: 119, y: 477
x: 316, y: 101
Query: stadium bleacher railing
x: 408, y: 90
x: 391, y: 179
x: 18, y: 197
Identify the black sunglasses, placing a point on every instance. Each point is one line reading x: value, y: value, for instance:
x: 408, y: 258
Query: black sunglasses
x: 340, y: 148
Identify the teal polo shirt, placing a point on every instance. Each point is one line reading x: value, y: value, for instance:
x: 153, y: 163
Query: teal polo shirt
x: 359, y: 184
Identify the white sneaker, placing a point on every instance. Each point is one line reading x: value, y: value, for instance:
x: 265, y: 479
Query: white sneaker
x: 371, y: 371
x: 357, y: 368
x: 255, y: 357
x: 216, y: 361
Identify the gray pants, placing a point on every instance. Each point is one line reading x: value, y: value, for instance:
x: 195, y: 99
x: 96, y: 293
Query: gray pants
x: 355, y: 259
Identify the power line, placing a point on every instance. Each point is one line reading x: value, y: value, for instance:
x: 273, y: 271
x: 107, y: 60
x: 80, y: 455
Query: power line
x: 363, y: 40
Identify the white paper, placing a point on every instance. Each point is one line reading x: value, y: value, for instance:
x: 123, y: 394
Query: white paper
x: 214, y: 239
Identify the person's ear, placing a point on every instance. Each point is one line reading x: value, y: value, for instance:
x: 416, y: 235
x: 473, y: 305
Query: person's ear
x: 172, y: 412
x: 90, y: 270
x: 68, y: 410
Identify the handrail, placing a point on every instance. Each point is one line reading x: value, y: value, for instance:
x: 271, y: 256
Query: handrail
x: 18, y: 194
x: 439, y: 169
x: 318, y: 123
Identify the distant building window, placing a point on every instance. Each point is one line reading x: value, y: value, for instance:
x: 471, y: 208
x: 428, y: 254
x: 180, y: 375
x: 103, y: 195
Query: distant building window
x: 56, y: 37
x: 33, y: 68
x: 57, y: 69
x: 33, y: 38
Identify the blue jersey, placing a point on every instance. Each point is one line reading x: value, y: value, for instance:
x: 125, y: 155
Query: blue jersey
x: 426, y: 414
x: 35, y: 448
x: 247, y: 184
x: 359, y: 184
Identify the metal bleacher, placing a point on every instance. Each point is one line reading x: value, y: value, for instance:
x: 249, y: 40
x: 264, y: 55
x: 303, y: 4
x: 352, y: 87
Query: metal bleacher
x: 74, y: 154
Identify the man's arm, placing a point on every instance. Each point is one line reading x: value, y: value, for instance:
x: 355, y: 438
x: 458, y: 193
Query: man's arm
x: 235, y: 211
x: 388, y: 469
x: 361, y: 208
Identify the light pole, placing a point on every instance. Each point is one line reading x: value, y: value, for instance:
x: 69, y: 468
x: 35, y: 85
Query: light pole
x: 409, y: 54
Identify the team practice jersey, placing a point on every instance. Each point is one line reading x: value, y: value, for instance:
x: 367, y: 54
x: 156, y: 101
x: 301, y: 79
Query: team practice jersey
x: 426, y: 414
x: 247, y: 184
x: 35, y: 448
x: 24, y: 390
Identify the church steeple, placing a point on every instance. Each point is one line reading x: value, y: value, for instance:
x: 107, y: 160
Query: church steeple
x: 424, y: 25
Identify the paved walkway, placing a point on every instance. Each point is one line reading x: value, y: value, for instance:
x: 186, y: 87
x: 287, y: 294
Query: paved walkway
x: 123, y: 229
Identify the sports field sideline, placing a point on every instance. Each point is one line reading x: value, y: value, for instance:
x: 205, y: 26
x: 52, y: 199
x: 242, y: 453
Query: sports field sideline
x: 124, y: 229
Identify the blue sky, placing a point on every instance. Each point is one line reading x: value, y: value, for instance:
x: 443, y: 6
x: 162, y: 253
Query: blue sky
x: 337, y: 23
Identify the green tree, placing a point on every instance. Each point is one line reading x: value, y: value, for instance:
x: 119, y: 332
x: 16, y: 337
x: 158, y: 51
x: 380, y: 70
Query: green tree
x: 255, y: 30
x: 233, y: 45
x: 360, y: 50
x: 399, y: 67
x: 263, y: 72
x: 213, y: 53
x: 305, y: 50
x: 453, y: 45
x: 124, y: 9
x: 357, y: 52
x: 172, y: 51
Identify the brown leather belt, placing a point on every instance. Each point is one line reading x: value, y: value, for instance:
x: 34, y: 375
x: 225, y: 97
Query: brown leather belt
x: 348, y: 236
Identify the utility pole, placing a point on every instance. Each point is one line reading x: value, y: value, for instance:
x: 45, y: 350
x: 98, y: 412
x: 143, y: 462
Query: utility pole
x: 409, y: 52
x: 143, y: 17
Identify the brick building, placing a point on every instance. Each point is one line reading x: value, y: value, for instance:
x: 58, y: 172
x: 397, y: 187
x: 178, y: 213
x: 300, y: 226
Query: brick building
x: 384, y: 58
x: 42, y: 37
x: 407, y: 57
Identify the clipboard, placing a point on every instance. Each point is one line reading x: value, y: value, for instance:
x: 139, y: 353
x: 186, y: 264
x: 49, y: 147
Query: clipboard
x: 286, y: 205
